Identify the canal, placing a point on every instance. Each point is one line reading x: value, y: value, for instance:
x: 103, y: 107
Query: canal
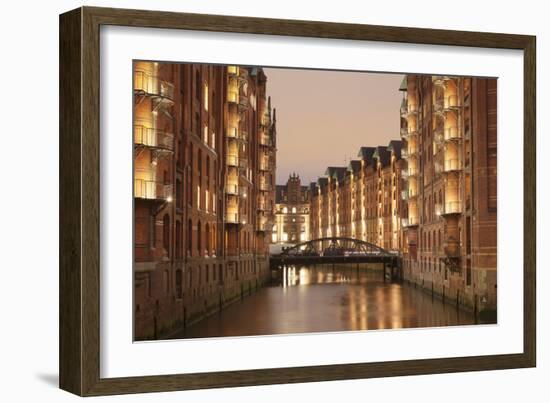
x: 326, y: 299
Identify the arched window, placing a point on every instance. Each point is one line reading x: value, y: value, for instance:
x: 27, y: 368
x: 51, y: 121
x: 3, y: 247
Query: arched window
x: 199, y: 243
x: 189, y: 237
x: 166, y: 233
x: 179, y: 245
x: 198, y: 87
x: 207, y: 238
x: 179, y: 283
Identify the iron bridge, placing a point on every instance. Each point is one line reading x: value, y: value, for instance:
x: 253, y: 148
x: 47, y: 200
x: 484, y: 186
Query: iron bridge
x: 333, y: 250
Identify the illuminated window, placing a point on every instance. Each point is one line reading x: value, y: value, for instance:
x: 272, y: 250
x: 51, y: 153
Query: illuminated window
x: 293, y: 210
x: 213, y: 140
x: 205, y: 134
x: 285, y: 237
x: 207, y: 198
x: 198, y: 197
x: 205, y: 97
x: 285, y: 210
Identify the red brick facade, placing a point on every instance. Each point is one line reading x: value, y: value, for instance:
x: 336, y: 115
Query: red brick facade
x: 204, y: 168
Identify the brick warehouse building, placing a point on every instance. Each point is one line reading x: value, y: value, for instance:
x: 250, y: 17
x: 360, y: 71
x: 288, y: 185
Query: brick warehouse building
x: 449, y: 126
x: 363, y: 200
x: 204, y: 169
x: 292, y: 212
x: 431, y: 196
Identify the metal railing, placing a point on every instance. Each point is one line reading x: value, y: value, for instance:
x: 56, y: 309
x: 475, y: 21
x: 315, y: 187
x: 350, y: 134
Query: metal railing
x: 452, y: 207
x: 452, y: 133
x: 232, y: 160
x: 265, y: 140
x: 152, y: 190
x: 232, y: 217
x: 452, y: 102
x: 232, y: 189
x: 409, y: 222
x: 452, y: 164
x: 265, y: 187
x: 155, y: 138
x: 232, y: 133
x: 153, y: 85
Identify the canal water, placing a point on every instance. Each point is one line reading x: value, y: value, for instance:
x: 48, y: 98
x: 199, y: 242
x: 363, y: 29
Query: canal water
x: 326, y: 299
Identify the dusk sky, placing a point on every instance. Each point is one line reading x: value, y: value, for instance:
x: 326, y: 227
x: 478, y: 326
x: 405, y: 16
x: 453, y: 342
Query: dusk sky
x: 324, y: 117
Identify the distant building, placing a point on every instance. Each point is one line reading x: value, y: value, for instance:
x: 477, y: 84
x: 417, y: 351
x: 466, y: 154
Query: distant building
x: 363, y: 200
x: 292, y: 212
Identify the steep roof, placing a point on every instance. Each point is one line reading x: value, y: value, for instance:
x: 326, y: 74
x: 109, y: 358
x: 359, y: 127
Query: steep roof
x: 396, y: 146
x: 383, y: 155
x: 365, y: 153
x: 354, y: 166
x: 279, y: 189
x: 336, y: 172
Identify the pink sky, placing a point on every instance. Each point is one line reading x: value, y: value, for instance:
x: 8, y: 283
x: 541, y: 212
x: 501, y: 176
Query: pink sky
x: 323, y: 117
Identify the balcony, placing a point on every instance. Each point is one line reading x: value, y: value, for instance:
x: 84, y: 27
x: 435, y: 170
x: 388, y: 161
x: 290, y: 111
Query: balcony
x: 409, y: 222
x: 232, y: 133
x: 452, y: 133
x: 265, y: 165
x: 405, y: 194
x: 232, y: 217
x: 452, y: 165
x: 412, y: 172
x: 232, y: 189
x: 147, y: 84
x: 452, y: 102
x: 153, y: 138
x: 265, y: 187
x: 152, y: 190
x: 265, y: 140
x: 243, y: 162
x: 232, y: 160
x: 451, y: 208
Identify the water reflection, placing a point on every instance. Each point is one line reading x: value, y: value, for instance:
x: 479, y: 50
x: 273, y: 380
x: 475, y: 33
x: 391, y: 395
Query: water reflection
x: 326, y: 298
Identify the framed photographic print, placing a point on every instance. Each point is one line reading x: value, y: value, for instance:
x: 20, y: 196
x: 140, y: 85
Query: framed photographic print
x: 250, y: 201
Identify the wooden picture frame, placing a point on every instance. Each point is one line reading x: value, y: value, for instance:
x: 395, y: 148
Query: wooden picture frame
x: 79, y: 346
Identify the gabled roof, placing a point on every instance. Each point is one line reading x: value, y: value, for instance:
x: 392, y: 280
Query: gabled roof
x: 365, y: 153
x: 354, y: 166
x: 336, y: 172
x: 382, y: 154
x: 395, y: 147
